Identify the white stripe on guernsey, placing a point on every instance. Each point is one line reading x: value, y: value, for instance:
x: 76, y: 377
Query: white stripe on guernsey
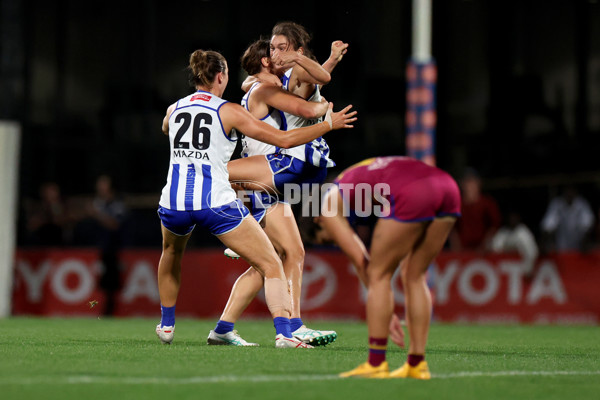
x: 131, y: 380
x: 198, y: 184
x: 316, y: 156
x: 189, y: 187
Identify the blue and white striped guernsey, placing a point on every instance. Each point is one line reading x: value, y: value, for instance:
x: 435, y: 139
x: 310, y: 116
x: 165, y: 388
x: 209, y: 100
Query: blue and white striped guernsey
x: 315, y: 152
x: 253, y: 147
x: 200, y: 149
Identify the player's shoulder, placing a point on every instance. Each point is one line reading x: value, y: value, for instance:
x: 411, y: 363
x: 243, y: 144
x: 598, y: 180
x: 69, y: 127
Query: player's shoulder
x: 171, y: 107
x: 232, y: 110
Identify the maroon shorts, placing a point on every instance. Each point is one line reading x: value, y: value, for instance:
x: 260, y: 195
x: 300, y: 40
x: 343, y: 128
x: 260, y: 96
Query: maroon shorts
x: 415, y: 190
x: 425, y: 199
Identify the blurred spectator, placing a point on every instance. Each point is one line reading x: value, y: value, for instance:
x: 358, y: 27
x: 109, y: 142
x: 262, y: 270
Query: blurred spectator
x: 109, y: 212
x: 516, y: 237
x: 597, y: 235
x: 568, y: 222
x: 480, y: 216
x: 47, y: 218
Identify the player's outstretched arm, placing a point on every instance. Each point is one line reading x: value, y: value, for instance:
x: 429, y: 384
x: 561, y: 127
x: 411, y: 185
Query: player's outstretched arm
x: 290, y: 103
x: 235, y: 116
x: 310, y: 72
x: 333, y: 221
x: 338, y: 50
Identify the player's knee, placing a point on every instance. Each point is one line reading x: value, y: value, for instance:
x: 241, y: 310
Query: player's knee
x: 270, y: 266
x: 251, y: 273
x: 173, y: 249
x: 410, y: 273
x: 378, y: 275
x: 295, y: 254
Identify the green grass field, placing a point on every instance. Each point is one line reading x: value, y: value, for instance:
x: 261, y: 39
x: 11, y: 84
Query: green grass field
x: 122, y: 358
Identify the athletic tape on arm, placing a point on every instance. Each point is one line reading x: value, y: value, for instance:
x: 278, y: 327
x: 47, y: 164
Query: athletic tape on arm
x: 328, y: 118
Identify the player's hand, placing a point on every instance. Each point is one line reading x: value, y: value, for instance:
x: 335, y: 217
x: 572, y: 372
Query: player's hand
x: 248, y: 82
x: 340, y: 119
x: 396, y: 331
x: 284, y: 59
x: 338, y: 50
x: 270, y: 78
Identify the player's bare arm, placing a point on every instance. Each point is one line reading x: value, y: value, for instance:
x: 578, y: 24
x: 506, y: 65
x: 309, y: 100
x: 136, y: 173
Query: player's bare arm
x: 165, y: 123
x: 260, y: 77
x: 290, y: 103
x: 310, y: 72
x: 338, y: 50
x: 333, y: 221
x: 396, y: 331
x: 235, y: 116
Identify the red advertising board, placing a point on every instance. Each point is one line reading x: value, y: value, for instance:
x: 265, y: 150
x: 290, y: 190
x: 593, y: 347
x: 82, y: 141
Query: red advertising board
x: 467, y: 287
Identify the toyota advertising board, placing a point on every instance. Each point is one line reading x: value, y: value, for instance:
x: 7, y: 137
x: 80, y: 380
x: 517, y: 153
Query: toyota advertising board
x: 466, y: 287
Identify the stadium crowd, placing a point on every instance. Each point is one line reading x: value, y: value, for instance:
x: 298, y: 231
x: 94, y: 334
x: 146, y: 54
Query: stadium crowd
x: 52, y: 218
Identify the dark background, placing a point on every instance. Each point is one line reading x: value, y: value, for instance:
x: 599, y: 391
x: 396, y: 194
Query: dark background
x: 518, y: 94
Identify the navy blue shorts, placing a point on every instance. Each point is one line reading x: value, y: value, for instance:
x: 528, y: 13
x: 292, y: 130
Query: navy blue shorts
x: 217, y: 220
x: 288, y: 169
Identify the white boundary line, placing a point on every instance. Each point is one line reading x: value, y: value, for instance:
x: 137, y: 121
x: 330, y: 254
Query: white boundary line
x: 477, y: 374
x: 90, y: 379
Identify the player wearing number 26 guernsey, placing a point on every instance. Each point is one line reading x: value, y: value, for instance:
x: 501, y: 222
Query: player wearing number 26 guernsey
x: 200, y: 150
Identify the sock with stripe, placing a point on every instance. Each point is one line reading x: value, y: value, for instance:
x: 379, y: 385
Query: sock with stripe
x: 377, y: 349
x: 167, y: 316
x: 295, y: 323
x: 282, y: 325
x: 224, y: 327
x: 415, y: 359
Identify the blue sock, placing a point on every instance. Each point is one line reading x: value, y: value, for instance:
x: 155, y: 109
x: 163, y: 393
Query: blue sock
x: 295, y: 323
x: 167, y: 316
x: 282, y: 325
x: 224, y: 327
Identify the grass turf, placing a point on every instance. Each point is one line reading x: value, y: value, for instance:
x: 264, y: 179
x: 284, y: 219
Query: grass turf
x: 122, y: 358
